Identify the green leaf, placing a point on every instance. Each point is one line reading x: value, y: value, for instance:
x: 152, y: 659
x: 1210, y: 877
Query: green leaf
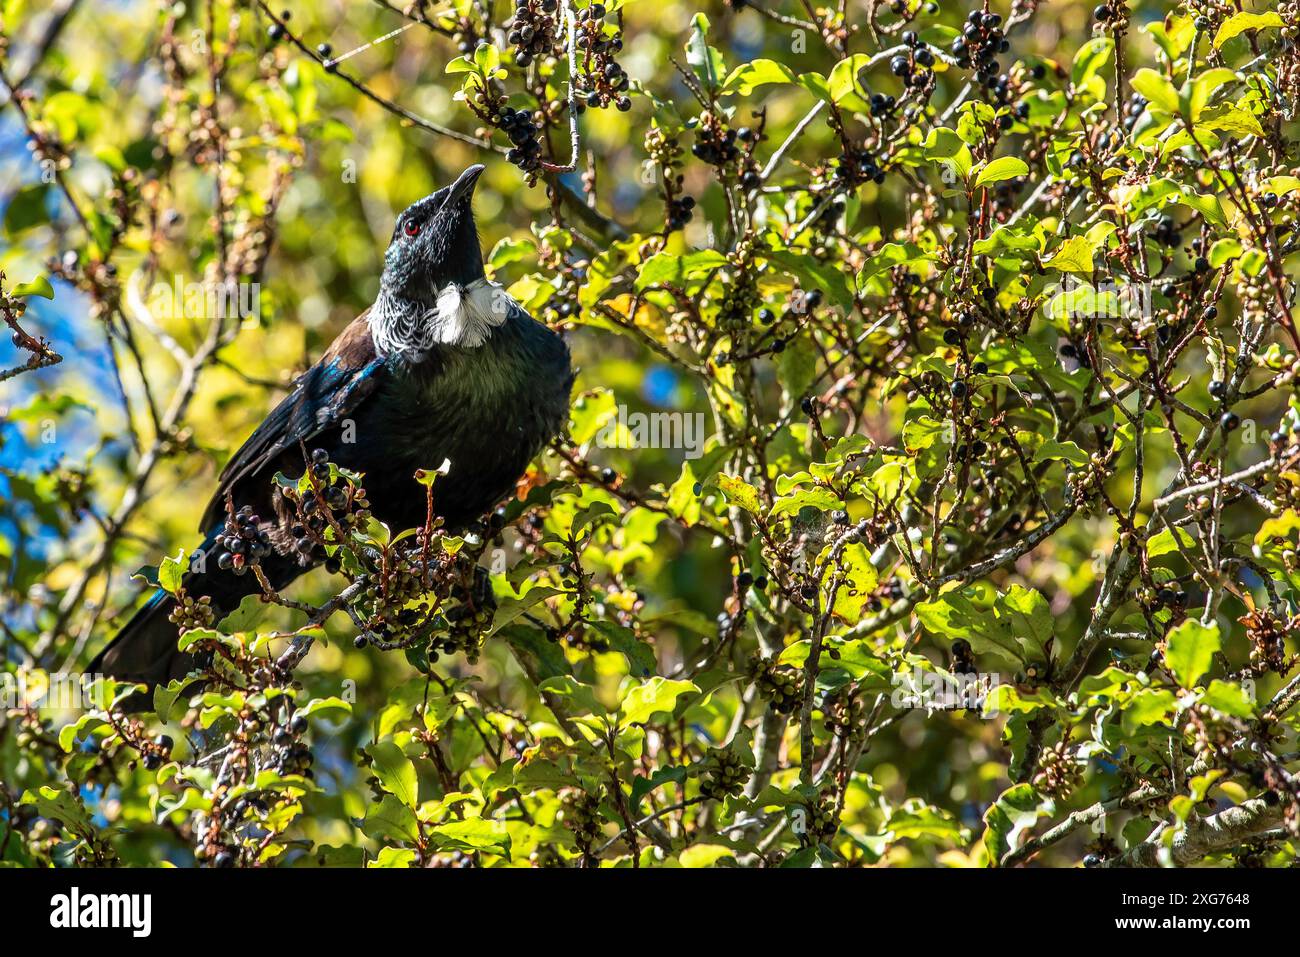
x: 27, y: 209
x: 487, y: 58
x: 1076, y: 253
x: 1004, y: 167
x: 945, y: 146
x: 830, y: 280
x: 395, y: 771
x: 1230, y: 698
x: 1162, y: 543
x: 1196, y: 93
x: 651, y: 697
x: 581, y: 695
x: 1030, y: 617
x: 672, y: 269
x: 40, y: 286
x: 1015, y: 811
x: 1013, y: 627
x: 394, y: 857
x: 171, y: 572
x: 511, y: 609
x: 858, y: 579
x: 86, y: 723
x: 1240, y: 22
x: 704, y: 59
x: 1066, y: 451
x: 165, y: 697
x: 1090, y: 58
x: 390, y: 819
x: 1190, y: 649
x: 1156, y: 88
x: 331, y: 707
x: 704, y: 855
x: 844, y: 83
x: 473, y: 834
x: 1204, y: 203
x: 1148, y: 707
x: 748, y: 77
x: 739, y: 492
x: 59, y: 805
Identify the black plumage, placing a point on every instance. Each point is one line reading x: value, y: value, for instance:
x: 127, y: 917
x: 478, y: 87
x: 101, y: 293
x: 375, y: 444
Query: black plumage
x: 444, y: 367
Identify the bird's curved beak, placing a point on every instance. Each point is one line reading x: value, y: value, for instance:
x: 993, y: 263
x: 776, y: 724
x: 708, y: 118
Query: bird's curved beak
x: 464, y: 185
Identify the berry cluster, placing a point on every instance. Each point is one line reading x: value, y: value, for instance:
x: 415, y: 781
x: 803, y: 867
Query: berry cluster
x: 385, y: 594
x: 856, y: 166
x: 1167, y: 233
x: 469, y: 620
x: 331, y: 499
x: 678, y: 212
x: 547, y: 855
x: 580, y: 813
x: 601, y: 80
x: 981, y: 41
x: 1211, y: 742
x: 428, y: 601
x: 715, y: 142
x: 155, y: 752
x: 780, y: 684
x: 739, y: 300
x: 1005, y: 197
x: 192, y: 613
x: 724, y: 774
x: 665, y: 153
x: 525, y: 144
x: 914, y: 68
x: 243, y: 542
x: 826, y: 227
x: 1088, y: 481
x: 1137, y: 105
x: 563, y: 304
x: 491, y: 105
x: 1268, y: 634
x: 882, y: 104
x: 289, y: 754
x: 843, y: 711
x: 1059, y: 771
x: 821, y: 823
x: 1113, y: 14
x: 963, y: 658
x: 889, y: 591
x: 534, y: 30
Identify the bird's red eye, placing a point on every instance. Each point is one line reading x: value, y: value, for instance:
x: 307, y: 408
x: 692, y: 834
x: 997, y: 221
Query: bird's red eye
x: 412, y: 228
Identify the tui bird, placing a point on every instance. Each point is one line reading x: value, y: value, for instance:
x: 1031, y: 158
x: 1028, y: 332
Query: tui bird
x: 443, y: 367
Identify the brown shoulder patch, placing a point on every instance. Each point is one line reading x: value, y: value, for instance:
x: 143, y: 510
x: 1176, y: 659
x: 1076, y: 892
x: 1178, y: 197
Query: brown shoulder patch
x: 354, y: 346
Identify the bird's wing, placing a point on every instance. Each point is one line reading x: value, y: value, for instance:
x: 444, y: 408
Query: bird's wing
x: 328, y: 392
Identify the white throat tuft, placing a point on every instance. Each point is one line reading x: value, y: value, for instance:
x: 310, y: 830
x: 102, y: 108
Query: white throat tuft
x: 463, y: 316
x: 466, y: 315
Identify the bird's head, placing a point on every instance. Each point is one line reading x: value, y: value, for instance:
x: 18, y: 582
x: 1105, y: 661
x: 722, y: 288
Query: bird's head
x: 435, y: 243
